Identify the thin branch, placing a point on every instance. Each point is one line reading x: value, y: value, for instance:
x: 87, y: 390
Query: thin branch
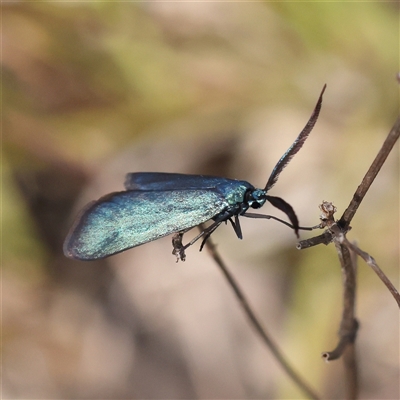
x: 325, y: 238
x: 343, y: 224
x: 351, y: 371
x: 361, y: 191
x: 349, y: 324
x: 372, y: 263
x: 336, y: 232
x: 257, y: 324
x: 371, y: 174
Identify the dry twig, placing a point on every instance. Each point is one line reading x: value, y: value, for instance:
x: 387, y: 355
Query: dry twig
x: 257, y: 325
x: 336, y: 232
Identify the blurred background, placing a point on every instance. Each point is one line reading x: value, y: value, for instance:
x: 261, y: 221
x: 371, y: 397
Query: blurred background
x: 94, y: 90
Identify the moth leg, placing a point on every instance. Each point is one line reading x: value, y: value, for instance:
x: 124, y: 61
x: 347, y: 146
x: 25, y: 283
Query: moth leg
x: 207, y: 233
x: 178, y: 247
x: 236, y: 226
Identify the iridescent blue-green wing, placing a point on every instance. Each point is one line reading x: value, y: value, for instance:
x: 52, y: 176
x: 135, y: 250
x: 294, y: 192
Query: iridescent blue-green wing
x: 171, y: 181
x: 122, y: 220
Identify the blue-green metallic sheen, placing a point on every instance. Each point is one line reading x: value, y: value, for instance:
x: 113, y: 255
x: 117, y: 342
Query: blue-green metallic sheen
x: 155, y: 205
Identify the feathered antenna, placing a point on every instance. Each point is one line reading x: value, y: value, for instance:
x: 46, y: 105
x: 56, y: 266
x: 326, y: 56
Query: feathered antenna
x: 297, y: 144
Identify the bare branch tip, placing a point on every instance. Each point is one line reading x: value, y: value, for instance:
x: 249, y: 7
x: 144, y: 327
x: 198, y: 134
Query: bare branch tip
x: 326, y: 357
